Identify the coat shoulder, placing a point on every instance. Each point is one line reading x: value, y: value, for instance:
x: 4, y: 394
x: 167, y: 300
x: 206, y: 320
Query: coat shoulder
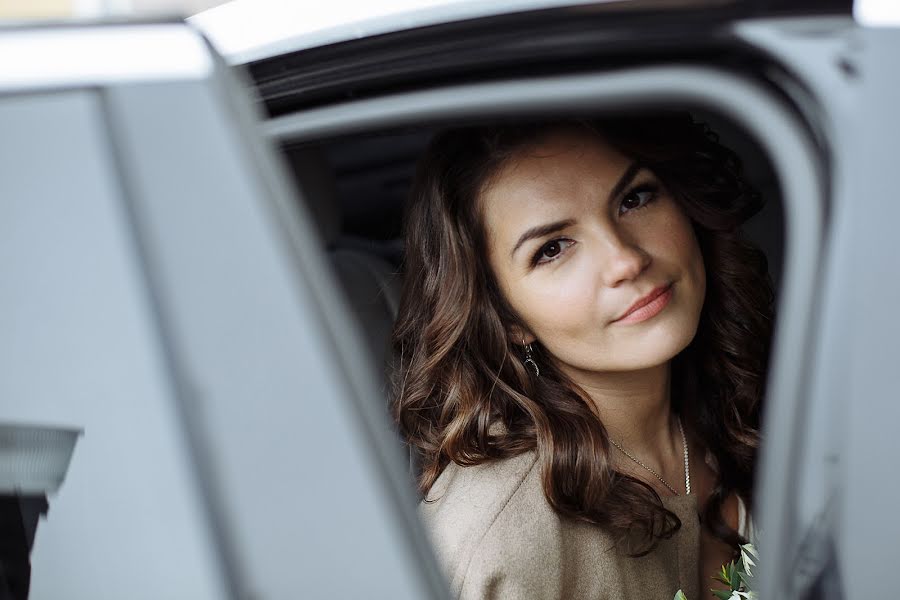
x: 487, y: 519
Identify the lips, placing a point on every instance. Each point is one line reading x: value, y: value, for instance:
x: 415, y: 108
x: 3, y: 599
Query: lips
x: 645, y: 300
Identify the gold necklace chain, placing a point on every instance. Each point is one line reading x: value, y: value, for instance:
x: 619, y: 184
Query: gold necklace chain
x: 687, y: 463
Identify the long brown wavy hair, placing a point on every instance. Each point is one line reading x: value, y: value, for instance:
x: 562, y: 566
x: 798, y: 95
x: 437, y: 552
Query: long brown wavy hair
x: 460, y: 390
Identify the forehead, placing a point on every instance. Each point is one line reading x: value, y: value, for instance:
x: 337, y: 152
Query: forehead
x: 565, y: 171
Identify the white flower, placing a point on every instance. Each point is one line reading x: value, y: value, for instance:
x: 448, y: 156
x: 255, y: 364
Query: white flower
x: 749, y: 557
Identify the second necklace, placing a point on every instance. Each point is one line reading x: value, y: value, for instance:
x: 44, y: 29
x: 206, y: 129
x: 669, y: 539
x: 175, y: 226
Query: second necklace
x: 687, y: 464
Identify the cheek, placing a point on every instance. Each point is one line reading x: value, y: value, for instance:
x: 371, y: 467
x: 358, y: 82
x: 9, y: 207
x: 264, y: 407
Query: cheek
x: 675, y: 242
x: 683, y: 250
x: 555, y: 304
x: 692, y: 258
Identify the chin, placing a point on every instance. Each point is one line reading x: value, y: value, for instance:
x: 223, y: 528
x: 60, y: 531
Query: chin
x: 661, y: 344
x: 637, y: 347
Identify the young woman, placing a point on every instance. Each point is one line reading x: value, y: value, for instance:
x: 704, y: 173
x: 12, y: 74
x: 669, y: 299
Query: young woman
x: 580, y: 357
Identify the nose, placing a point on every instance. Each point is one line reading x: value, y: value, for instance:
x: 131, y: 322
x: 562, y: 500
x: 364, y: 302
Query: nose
x: 622, y: 260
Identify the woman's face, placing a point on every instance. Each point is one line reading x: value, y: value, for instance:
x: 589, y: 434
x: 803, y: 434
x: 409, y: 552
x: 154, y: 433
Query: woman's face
x: 577, y: 234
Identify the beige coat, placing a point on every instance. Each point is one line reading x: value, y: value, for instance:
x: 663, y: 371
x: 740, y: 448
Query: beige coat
x: 496, y: 536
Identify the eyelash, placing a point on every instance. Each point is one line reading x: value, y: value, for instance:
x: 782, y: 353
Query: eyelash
x: 651, y: 188
x: 536, y: 259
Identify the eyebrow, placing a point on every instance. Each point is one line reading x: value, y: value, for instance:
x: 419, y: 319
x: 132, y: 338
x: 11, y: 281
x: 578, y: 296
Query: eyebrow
x: 541, y: 230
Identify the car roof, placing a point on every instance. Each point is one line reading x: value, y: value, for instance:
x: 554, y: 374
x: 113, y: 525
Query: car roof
x: 245, y: 31
x: 249, y: 30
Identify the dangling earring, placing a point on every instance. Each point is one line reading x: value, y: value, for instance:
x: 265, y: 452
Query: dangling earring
x: 529, y: 360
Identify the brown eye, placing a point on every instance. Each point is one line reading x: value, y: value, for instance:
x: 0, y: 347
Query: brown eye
x: 638, y: 198
x: 632, y: 201
x: 551, y: 251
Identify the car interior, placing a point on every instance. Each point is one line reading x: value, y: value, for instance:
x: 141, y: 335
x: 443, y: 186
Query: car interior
x: 355, y: 188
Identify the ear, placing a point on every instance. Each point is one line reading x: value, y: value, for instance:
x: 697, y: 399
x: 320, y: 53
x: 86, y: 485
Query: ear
x: 519, y: 335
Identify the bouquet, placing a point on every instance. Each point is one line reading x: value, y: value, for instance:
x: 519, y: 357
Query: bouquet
x: 737, y: 576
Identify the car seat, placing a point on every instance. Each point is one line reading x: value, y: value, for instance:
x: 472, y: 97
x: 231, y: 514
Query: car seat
x: 369, y: 282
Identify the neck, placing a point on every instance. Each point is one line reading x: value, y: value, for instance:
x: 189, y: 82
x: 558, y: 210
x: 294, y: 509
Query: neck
x: 635, y: 408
